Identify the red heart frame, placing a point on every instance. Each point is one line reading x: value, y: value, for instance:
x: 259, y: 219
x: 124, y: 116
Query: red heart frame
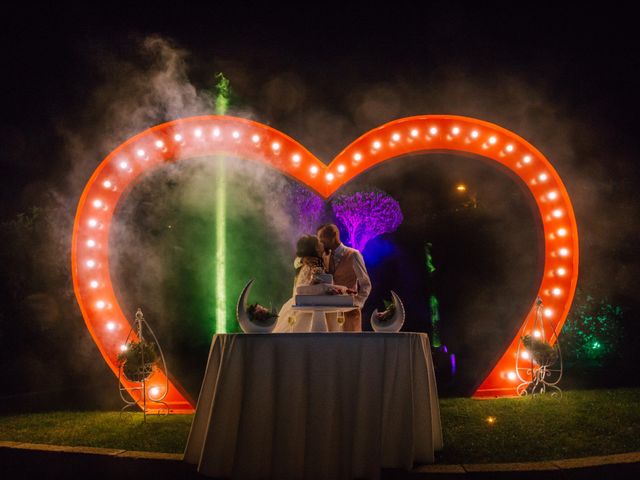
x: 211, y: 135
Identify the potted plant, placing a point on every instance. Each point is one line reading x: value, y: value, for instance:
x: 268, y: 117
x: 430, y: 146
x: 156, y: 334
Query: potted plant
x: 137, y: 360
x: 541, y: 351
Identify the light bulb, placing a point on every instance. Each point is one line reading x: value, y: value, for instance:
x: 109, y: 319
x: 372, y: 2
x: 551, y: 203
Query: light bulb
x: 377, y: 144
x: 140, y: 153
x: 526, y: 159
x: 342, y: 168
x: 414, y: 132
x: 455, y: 130
x: 562, y: 232
x: 543, y: 177
x: 111, y: 326
x: 556, y: 291
x: 236, y: 134
x: 101, y: 304
x: 124, y: 165
x: 552, y: 195
x: 296, y: 158
x: 197, y: 132
x: 97, y: 203
x: 275, y: 146
x: 255, y: 138
x: 93, y: 284
x: 91, y: 243
x: 159, y: 143
x: 313, y: 170
x: 475, y: 134
x: 511, y: 375
x: 395, y: 137
x: 561, y: 271
x: 177, y: 137
x: 433, y: 130
x: 492, y: 140
x: 509, y: 148
x: 357, y: 157
x: 91, y: 263
x: 107, y: 184
x: 329, y: 177
x: 557, y: 213
x: 216, y: 132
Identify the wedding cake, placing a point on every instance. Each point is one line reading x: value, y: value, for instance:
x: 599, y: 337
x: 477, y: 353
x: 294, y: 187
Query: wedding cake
x: 323, y: 294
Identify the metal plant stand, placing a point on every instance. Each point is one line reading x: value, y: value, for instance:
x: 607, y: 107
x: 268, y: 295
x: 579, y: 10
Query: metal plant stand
x: 140, y: 326
x: 539, y: 359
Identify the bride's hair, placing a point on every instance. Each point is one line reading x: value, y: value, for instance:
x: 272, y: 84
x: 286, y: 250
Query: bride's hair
x: 307, y: 246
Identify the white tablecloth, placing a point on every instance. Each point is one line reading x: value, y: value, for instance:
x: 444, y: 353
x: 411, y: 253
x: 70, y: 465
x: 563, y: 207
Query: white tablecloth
x: 315, y: 405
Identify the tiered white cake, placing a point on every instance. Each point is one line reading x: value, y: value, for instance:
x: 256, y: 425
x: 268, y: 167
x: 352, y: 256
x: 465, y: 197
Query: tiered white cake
x: 318, y: 295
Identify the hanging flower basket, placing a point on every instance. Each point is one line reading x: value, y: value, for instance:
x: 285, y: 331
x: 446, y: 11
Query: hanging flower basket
x: 131, y: 360
x: 542, y: 352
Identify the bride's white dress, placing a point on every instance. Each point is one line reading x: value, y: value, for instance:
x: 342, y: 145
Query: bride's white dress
x: 301, y: 320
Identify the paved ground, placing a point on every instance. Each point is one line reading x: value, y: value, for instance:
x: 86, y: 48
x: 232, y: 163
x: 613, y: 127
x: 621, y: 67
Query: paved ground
x: 25, y: 460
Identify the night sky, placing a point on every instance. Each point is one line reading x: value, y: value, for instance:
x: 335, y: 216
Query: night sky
x: 566, y: 78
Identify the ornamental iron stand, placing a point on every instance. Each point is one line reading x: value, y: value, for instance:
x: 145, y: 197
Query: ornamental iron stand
x: 144, y: 371
x: 539, y: 359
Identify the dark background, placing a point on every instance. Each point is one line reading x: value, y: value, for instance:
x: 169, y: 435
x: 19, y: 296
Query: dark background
x: 76, y: 82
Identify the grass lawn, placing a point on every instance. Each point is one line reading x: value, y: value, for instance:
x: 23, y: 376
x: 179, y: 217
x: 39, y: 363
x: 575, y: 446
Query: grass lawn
x: 582, y: 423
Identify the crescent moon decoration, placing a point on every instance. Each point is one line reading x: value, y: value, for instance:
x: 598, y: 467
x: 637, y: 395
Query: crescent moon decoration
x: 242, y: 316
x: 237, y: 137
x: 396, y: 321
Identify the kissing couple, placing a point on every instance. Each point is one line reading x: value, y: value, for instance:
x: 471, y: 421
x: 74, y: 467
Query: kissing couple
x: 320, y: 254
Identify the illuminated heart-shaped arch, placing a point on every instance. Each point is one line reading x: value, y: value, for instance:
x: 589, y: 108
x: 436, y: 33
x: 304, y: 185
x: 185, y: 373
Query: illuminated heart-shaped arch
x: 215, y: 135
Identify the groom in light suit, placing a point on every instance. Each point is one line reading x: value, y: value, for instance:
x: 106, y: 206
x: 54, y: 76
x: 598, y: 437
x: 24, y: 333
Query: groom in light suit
x: 348, y: 269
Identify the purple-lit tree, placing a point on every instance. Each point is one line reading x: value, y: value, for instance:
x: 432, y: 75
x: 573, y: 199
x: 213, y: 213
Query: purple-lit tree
x: 365, y: 215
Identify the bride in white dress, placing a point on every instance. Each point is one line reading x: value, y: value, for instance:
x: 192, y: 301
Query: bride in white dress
x: 308, y: 264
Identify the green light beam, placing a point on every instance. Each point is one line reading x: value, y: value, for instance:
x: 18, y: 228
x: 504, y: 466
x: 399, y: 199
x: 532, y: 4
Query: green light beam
x: 222, y: 104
